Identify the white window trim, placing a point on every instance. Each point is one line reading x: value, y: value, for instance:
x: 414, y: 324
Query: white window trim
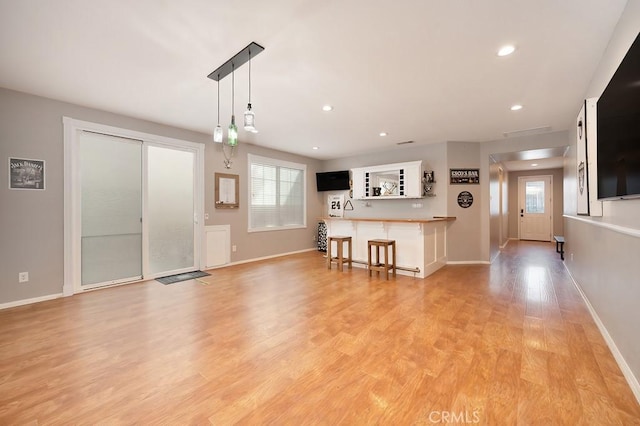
x: 251, y: 158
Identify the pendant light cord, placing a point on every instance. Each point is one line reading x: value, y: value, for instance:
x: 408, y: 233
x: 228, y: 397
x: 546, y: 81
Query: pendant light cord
x: 249, y: 77
x: 218, y: 99
x: 233, y: 87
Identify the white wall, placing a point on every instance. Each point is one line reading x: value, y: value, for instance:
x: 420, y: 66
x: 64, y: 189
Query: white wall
x: 601, y: 252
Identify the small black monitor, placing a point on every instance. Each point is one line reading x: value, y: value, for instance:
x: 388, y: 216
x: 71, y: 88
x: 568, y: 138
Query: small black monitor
x: 332, y: 181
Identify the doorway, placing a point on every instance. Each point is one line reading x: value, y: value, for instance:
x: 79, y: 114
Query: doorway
x: 132, y: 206
x: 535, y: 208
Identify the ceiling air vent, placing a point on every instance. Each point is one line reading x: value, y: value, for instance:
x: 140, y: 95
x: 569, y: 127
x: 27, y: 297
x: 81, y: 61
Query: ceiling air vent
x: 527, y: 132
x: 404, y: 143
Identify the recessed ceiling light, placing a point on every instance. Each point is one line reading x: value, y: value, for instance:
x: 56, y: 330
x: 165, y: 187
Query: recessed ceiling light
x: 315, y: 147
x: 383, y: 133
x: 534, y: 165
x: 327, y: 108
x: 516, y: 107
x: 506, y: 50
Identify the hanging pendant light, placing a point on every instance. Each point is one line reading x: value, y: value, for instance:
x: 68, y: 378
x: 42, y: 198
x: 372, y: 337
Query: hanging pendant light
x: 229, y: 145
x: 232, y: 139
x: 249, y: 116
x: 249, y: 120
x: 217, y: 132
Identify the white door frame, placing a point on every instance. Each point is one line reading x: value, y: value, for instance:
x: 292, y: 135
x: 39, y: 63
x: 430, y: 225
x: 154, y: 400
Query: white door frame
x: 72, y: 205
x: 550, y: 198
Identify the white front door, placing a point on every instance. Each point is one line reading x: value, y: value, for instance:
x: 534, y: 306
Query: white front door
x: 535, y: 208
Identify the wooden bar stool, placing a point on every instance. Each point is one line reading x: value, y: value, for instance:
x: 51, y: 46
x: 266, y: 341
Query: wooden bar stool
x: 378, y: 266
x: 340, y: 259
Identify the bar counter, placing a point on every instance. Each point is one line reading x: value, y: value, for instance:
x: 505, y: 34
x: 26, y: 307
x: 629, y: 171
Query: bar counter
x: 421, y: 243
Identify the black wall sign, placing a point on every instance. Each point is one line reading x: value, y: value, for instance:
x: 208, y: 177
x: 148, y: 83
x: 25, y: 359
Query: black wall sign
x: 465, y: 199
x: 464, y: 176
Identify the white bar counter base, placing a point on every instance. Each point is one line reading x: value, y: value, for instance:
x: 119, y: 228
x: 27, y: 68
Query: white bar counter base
x: 421, y: 243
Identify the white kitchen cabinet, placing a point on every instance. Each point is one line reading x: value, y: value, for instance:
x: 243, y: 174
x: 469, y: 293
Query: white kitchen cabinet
x: 388, y: 181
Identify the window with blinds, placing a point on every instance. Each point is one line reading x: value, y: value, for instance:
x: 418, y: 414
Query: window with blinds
x: 277, y: 194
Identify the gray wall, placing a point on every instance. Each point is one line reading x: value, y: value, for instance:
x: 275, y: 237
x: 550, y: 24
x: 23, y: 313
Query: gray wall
x: 473, y: 237
x: 601, y: 259
x: 463, y: 236
x: 558, y: 221
x: 253, y: 245
x: 433, y: 156
x: 506, y: 212
x: 498, y: 207
x: 31, y: 222
x: 495, y: 218
x: 463, y: 239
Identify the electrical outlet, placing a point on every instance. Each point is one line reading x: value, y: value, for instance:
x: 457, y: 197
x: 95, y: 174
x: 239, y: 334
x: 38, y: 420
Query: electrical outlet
x: 206, y: 216
x: 23, y: 277
x: 572, y: 257
x: 234, y: 248
x: 314, y: 238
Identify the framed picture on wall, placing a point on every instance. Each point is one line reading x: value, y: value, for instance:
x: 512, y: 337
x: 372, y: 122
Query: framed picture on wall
x: 581, y: 162
x: 26, y: 174
x: 227, y: 191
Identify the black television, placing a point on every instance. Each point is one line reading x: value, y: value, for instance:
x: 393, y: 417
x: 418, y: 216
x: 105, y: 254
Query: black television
x: 332, y: 181
x: 618, y: 130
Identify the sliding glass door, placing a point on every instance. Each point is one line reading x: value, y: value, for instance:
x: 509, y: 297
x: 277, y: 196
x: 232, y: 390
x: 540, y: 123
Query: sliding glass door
x: 138, y: 204
x: 170, y: 210
x: 111, y: 209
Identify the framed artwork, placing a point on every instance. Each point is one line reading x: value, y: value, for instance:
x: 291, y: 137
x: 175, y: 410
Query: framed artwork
x: 26, y: 174
x: 581, y: 162
x: 227, y: 191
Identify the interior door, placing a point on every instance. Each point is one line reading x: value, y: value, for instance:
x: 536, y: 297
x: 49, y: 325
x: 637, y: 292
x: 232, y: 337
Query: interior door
x: 535, y: 209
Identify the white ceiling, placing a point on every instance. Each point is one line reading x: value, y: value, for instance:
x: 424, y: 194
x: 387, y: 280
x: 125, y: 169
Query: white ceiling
x: 421, y: 70
x: 535, y: 159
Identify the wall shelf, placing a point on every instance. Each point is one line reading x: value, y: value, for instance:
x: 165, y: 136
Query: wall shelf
x: 388, y: 181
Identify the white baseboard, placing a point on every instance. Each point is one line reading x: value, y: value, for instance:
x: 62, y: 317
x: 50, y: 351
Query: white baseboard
x: 506, y: 243
x: 257, y: 259
x: 626, y: 370
x: 468, y: 262
x: 29, y: 301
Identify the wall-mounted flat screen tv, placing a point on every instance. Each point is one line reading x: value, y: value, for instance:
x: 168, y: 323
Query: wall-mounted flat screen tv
x: 332, y: 181
x: 618, y: 122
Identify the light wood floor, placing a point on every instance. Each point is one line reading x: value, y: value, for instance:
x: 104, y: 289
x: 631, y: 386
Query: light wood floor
x: 287, y: 341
